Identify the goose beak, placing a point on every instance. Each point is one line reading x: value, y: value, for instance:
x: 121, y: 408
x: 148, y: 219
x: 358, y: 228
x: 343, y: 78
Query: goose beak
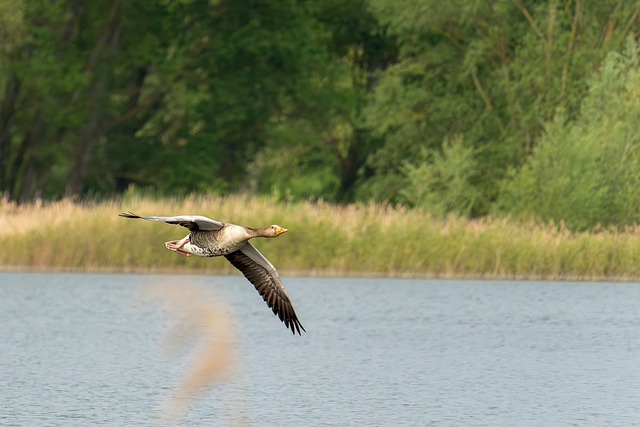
x: 280, y: 230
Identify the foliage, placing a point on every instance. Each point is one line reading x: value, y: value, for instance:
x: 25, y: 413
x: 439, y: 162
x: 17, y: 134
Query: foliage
x: 587, y: 171
x: 174, y: 95
x: 493, y: 71
x: 440, y: 182
x: 340, y: 100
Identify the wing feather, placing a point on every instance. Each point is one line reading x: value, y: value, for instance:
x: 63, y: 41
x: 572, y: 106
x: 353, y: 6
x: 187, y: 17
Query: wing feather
x: 266, y: 280
x: 191, y: 222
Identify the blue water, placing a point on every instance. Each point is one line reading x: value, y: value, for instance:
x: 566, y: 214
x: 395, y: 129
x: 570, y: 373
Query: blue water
x: 83, y: 350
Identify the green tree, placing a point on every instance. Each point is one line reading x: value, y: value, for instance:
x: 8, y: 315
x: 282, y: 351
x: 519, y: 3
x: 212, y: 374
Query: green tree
x: 177, y: 96
x: 440, y: 182
x: 325, y: 133
x: 586, y: 171
x: 70, y: 83
x: 493, y: 71
x: 336, y: 99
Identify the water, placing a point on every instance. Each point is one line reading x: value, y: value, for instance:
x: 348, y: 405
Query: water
x: 83, y: 350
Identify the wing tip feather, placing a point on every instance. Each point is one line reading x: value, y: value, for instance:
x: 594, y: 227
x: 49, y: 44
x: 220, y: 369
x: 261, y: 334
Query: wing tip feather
x: 128, y: 215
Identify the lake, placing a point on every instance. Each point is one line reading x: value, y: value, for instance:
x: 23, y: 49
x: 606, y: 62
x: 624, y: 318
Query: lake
x: 116, y: 349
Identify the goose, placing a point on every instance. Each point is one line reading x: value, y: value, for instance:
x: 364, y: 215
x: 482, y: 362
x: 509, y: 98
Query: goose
x: 209, y: 238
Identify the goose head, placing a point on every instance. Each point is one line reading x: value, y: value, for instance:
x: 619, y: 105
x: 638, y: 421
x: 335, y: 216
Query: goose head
x: 273, y: 231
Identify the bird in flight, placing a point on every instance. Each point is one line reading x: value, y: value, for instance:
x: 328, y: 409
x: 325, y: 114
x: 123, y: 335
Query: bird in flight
x: 208, y: 237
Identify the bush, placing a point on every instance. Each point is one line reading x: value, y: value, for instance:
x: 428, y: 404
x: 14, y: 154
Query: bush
x: 586, y: 172
x: 440, y: 182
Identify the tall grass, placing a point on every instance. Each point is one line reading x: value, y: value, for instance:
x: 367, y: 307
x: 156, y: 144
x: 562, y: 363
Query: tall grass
x: 322, y: 239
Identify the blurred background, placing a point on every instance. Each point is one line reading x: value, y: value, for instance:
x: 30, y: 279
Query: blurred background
x: 468, y: 107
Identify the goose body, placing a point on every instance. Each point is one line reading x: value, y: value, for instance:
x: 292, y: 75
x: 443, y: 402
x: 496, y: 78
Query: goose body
x: 210, y: 238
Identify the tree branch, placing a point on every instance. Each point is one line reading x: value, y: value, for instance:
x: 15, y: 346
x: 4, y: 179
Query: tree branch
x: 632, y: 20
x: 548, y: 51
x: 485, y: 97
x: 565, y: 67
x: 529, y: 18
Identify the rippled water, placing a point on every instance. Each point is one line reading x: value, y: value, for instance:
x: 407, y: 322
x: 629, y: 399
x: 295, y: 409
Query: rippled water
x: 81, y: 350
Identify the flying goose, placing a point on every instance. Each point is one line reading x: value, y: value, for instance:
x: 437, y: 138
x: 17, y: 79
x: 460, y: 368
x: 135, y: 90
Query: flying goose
x: 210, y: 238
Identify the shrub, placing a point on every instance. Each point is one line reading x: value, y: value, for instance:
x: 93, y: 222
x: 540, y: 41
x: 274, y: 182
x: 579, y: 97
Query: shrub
x: 440, y: 182
x: 586, y: 172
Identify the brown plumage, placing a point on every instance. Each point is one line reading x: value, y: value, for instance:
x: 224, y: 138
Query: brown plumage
x: 209, y: 238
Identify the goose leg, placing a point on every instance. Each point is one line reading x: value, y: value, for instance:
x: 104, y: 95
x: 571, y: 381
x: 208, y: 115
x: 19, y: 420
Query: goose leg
x: 176, y: 245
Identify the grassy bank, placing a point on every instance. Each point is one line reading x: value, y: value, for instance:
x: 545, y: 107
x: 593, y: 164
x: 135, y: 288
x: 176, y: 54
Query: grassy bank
x: 322, y: 239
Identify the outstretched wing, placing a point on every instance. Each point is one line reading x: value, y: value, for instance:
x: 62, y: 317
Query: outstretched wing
x: 263, y: 275
x: 192, y: 222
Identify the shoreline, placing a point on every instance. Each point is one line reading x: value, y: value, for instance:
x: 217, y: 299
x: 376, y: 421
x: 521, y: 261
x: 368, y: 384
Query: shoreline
x: 322, y: 274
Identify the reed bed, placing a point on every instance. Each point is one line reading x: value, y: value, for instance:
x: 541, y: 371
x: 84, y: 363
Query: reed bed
x: 323, y: 239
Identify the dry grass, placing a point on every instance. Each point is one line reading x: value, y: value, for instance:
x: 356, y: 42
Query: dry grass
x: 322, y: 239
x: 203, y: 323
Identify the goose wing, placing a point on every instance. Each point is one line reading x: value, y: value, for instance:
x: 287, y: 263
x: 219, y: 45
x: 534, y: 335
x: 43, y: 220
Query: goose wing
x: 263, y: 275
x: 192, y: 222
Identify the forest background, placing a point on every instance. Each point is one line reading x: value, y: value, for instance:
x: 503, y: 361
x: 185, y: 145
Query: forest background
x: 472, y: 109
x: 467, y: 107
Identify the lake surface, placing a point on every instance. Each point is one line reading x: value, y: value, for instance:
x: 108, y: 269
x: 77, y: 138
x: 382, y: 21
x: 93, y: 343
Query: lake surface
x: 83, y: 350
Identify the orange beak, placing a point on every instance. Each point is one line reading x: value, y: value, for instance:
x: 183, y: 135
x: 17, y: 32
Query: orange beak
x: 280, y: 230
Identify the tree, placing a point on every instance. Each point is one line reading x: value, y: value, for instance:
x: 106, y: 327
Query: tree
x: 586, y: 171
x: 173, y: 95
x: 68, y: 85
x: 494, y: 72
x: 325, y: 132
x: 440, y: 181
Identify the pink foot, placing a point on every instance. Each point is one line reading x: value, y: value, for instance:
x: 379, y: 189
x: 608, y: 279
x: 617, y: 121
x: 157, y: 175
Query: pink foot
x: 178, y: 244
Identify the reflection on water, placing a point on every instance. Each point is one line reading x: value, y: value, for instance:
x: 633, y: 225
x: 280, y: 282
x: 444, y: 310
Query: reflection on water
x: 80, y: 350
